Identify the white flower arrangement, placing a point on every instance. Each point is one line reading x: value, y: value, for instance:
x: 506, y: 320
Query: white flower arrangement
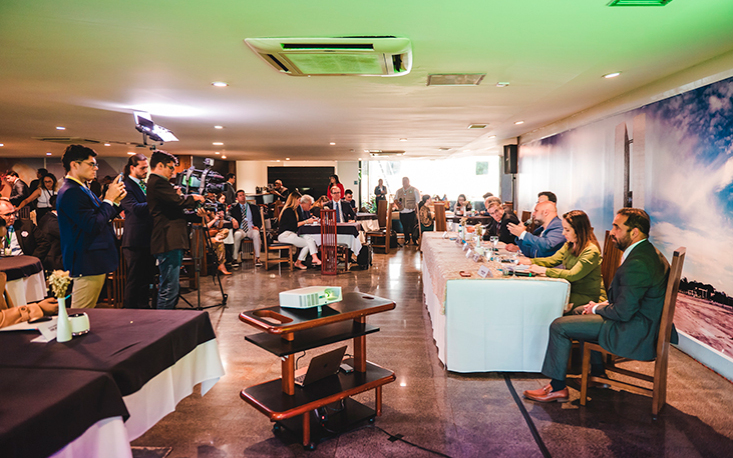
x: 59, y: 281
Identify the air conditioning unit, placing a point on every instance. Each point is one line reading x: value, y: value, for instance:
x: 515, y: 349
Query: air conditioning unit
x: 353, y: 56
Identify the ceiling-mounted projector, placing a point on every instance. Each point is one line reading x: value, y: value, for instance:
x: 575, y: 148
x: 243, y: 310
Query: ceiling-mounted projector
x: 353, y: 56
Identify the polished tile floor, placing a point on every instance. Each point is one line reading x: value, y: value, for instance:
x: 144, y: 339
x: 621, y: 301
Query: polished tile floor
x: 441, y: 413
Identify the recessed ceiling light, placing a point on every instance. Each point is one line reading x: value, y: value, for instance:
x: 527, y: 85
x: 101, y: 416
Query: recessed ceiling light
x: 48, y: 153
x: 107, y: 144
x: 519, y: 122
x: 493, y: 136
x: 359, y: 158
x: 2, y: 144
x: 131, y: 152
x: 332, y: 143
x: 219, y: 84
x: 611, y: 75
x: 287, y: 158
x: 223, y: 157
x: 217, y: 152
x: 403, y: 139
x: 218, y: 144
x: 277, y: 160
x: 502, y: 84
x: 218, y: 127
x: 60, y: 128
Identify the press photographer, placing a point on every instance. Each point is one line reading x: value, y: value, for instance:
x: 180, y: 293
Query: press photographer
x: 170, y: 225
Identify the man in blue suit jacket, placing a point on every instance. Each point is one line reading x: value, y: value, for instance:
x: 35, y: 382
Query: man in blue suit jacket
x: 546, y: 239
x: 136, y: 237
x: 87, y: 236
x: 627, y: 324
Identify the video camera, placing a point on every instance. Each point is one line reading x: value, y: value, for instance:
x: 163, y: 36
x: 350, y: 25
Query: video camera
x: 195, y: 181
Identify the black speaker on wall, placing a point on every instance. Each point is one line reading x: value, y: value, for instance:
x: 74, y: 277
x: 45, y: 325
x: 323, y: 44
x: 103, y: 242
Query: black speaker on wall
x: 510, y: 159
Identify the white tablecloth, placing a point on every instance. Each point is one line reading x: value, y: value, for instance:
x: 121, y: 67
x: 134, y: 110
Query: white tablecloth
x: 110, y: 437
x: 341, y: 239
x: 27, y: 289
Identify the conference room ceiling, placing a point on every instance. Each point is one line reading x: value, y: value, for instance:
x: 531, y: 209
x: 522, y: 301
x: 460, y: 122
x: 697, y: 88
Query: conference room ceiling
x: 86, y: 65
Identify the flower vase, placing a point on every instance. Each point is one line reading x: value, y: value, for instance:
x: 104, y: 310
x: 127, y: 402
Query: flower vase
x: 63, y: 326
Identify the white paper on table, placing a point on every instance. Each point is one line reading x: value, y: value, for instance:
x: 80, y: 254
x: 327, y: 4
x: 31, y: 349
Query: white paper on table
x: 484, y: 272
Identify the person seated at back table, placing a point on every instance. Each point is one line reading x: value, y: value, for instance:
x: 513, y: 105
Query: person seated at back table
x: 462, y: 206
x: 492, y: 227
x: 581, y: 258
x: 304, y: 208
x: 344, y: 212
x: 546, y: 239
x: 349, y: 197
x: 318, y: 205
x: 21, y: 235
x: 503, y: 218
x: 288, y: 232
x: 49, y: 240
x: 425, y: 215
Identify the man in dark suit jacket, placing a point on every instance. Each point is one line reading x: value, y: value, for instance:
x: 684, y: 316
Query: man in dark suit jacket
x: 627, y: 324
x: 21, y: 236
x: 502, y: 218
x: 49, y: 240
x: 87, y: 236
x: 344, y: 212
x: 136, y: 236
x: 241, y: 211
x: 170, y: 225
x: 230, y: 195
x: 546, y: 240
x: 19, y: 190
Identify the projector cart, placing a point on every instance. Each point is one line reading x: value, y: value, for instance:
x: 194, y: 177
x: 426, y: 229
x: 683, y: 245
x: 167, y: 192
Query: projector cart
x: 288, y: 331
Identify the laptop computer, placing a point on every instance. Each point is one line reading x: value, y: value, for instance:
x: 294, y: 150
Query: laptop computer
x: 320, y: 367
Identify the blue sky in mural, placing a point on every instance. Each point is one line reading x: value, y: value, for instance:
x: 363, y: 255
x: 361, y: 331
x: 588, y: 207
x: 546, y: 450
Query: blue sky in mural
x: 690, y: 140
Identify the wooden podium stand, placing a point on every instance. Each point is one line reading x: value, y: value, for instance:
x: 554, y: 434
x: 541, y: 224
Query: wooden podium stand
x: 288, y: 331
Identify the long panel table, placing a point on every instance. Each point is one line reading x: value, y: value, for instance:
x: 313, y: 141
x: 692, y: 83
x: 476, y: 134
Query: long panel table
x: 494, y: 324
x: 154, y: 357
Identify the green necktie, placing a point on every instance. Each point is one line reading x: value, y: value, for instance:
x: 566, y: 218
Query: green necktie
x: 143, y: 187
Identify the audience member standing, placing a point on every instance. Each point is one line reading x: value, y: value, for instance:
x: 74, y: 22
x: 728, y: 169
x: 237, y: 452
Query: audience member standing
x: 406, y: 199
x: 170, y: 226
x: 40, y: 173
x: 380, y: 191
x: 19, y: 189
x: 230, y: 196
x: 42, y: 195
x: 333, y: 180
x: 85, y: 223
x: 136, y: 236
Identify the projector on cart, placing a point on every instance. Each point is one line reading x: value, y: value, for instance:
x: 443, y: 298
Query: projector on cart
x: 312, y: 296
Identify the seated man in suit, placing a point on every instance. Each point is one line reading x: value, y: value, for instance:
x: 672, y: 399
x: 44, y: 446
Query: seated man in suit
x: 49, y: 240
x: 246, y: 222
x: 349, y: 197
x: 503, y: 219
x: 87, y: 237
x: 304, y: 209
x: 627, y: 323
x: 546, y: 239
x: 344, y: 212
x: 21, y: 234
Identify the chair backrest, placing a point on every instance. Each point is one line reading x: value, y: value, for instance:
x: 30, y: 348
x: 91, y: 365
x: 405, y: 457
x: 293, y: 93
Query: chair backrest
x: 3, y: 281
x: 670, y: 301
x: 509, y: 206
x: 526, y: 215
x: 611, y: 260
x: 382, y: 213
x: 278, y: 208
x: 24, y: 213
x: 119, y: 227
x: 388, y: 229
x: 441, y: 225
x: 263, y: 230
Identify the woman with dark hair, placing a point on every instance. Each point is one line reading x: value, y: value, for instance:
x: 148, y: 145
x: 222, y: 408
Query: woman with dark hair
x: 289, y: 224
x: 427, y: 220
x: 461, y: 206
x: 581, y: 257
x: 334, y: 181
x: 45, y: 190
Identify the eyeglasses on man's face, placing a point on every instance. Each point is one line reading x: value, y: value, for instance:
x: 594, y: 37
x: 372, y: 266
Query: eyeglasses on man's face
x: 13, y: 214
x: 92, y: 164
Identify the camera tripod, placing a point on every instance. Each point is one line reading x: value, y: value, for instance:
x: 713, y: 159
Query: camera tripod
x: 196, y: 254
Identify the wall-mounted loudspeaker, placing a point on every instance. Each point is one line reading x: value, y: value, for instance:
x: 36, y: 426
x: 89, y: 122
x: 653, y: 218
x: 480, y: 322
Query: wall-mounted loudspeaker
x: 510, y: 159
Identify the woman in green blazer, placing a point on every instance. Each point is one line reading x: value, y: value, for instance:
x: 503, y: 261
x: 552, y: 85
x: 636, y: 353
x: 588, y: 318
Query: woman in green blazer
x: 580, y: 258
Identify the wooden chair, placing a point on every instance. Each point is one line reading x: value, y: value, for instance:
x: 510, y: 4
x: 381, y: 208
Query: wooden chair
x: 441, y: 223
x: 198, y: 244
x: 274, y: 253
x: 382, y: 213
x: 658, y: 390
x: 117, y: 279
x: 24, y: 213
x: 384, y: 234
x: 611, y: 260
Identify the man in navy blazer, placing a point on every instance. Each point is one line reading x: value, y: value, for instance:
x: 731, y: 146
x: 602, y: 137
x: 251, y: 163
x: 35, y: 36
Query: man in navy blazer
x: 546, y: 239
x: 87, y: 236
x: 136, y: 236
x: 627, y: 324
x: 344, y: 212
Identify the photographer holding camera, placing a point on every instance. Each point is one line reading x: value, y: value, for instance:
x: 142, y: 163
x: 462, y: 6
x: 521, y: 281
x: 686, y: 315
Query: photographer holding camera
x: 170, y: 229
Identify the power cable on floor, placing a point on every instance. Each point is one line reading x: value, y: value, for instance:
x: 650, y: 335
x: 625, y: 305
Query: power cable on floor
x: 399, y: 437
x: 527, y: 418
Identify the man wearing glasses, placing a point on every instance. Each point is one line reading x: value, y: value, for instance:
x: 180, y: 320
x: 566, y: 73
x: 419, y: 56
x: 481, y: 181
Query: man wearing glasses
x: 170, y: 226
x: 21, y: 235
x: 85, y: 222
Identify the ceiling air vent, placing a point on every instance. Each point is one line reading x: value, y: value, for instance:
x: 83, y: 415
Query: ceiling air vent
x: 455, y: 79
x: 477, y: 126
x: 67, y: 140
x: 354, y: 56
x: 639, y: 2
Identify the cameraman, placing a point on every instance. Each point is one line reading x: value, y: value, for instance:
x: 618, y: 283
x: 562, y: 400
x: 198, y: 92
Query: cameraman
x: 170, y: 232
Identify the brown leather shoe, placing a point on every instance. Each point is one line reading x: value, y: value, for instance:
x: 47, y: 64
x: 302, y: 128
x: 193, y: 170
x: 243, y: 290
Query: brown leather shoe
x: 547, y: 395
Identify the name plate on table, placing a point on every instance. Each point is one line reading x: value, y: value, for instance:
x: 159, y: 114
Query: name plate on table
x: 477, y: 257
x: 469, y: 252
x: 465, y: 246
x: 484, y: 272
x: 445, y: 235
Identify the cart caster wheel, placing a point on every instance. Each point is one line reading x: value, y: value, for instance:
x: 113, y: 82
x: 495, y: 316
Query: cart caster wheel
x: 371, y: 420
x: 276, y: 428
x: 309, y: 447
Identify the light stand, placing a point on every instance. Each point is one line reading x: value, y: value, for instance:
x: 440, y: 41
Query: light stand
x: 196, y: 256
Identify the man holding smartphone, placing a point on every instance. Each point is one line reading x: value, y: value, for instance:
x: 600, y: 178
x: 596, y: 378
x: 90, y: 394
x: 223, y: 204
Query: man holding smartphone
x: 85, y: 224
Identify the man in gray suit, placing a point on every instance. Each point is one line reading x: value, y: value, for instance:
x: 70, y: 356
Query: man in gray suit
x: 627, y: 324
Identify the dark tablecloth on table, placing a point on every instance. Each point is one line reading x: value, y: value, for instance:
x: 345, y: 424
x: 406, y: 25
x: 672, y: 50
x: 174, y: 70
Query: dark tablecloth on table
x: 132, y: 346
x: 341, y: 229
x: 16, y: 267
x: 42, y: 410
x: 478, y: 219
x: 365, y: 216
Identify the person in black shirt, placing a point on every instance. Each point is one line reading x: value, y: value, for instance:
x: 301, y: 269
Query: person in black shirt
x: 289, y: 224
x: 503, y: 218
